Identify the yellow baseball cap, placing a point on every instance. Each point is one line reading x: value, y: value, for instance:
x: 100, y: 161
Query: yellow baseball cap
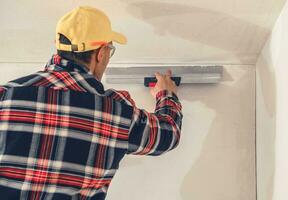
x: 87, y: 28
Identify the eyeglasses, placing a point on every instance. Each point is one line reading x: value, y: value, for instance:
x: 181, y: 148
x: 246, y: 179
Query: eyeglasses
x: 112, y: 49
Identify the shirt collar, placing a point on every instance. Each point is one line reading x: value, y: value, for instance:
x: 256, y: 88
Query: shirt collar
x: 58, y: 63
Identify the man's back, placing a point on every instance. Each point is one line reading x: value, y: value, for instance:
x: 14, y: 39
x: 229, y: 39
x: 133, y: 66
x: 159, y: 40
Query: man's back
x: 62, y: 135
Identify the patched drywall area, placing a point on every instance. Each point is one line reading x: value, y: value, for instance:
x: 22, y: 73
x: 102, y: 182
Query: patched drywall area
x: 216, y: 155
x: 206, y: 31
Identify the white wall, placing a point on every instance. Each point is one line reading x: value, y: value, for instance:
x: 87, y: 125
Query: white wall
x: 272, y: 113
x: 216, y: 156
x: 202, y: 31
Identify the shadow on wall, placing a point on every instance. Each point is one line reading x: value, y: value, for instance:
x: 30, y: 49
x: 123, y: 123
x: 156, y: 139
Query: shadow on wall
x: 266, y: 144
x: 244, y: 39
x: 225, y: 168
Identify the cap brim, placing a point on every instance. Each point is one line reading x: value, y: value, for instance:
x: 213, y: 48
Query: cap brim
x: 118, y: 37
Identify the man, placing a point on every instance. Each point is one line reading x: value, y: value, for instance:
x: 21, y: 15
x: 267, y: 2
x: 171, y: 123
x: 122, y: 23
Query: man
x: 62, y: 135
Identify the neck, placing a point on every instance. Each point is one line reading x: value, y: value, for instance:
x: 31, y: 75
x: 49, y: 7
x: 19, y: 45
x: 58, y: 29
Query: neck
x: 95, y: 69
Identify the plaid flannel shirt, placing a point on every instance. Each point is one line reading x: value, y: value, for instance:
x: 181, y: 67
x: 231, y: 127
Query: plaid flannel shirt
x: 62, y: 135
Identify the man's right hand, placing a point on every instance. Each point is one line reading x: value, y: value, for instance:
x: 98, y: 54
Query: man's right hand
x: 164, y: 82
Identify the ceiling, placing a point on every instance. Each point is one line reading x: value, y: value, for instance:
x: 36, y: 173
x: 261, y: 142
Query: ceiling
x: 198, y: 31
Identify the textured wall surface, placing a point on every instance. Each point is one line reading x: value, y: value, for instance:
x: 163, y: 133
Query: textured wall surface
x: 222, y: 31
x: 216, y: 156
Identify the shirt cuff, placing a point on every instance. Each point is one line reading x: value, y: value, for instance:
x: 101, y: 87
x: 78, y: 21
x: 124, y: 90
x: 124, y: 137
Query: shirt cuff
x: 166, y: 93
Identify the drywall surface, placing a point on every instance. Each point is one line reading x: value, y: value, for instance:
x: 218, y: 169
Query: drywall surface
x: 215, y: 158
x: 272, y: 114
x: 222, y: 31
x: 216, y: 155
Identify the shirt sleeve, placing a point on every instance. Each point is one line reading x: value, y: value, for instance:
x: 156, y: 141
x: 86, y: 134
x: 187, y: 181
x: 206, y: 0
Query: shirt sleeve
x: 159, y: 132
x: 2, y: 92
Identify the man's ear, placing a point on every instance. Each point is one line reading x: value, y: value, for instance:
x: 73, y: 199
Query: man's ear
x: 100, y: 54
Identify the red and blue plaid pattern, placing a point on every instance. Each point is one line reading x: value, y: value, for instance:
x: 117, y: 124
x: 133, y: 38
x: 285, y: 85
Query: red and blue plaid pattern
x: 62, y: 135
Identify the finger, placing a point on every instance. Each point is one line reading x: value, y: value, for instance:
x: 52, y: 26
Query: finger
x: 158, y: 76
x: 169, y: 73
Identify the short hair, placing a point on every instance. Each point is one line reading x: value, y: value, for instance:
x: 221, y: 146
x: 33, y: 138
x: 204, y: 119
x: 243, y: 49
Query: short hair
x: 75, y: 56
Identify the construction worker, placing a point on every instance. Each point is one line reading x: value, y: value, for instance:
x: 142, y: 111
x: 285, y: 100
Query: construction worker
x: 62, y: 135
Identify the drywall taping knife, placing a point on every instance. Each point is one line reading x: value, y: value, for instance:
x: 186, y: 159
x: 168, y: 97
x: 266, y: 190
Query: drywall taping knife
x: 145, y: 74
x: 151, y: 81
